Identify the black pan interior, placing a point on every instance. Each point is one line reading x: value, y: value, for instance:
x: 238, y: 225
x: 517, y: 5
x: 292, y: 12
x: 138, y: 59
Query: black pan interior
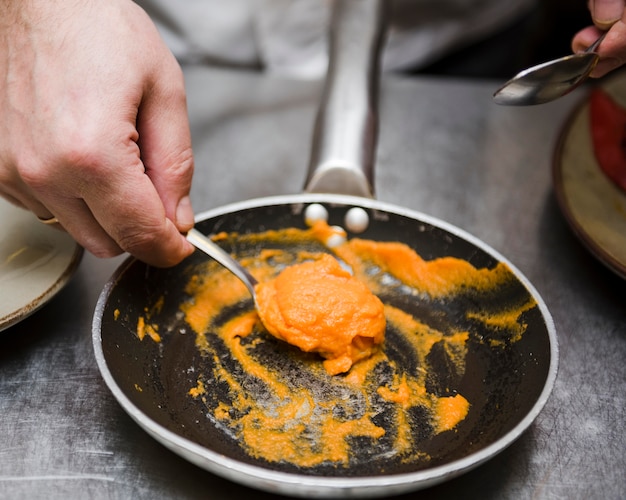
x: 502, y: 384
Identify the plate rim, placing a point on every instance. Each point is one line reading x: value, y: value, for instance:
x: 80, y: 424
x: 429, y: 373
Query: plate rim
x: 592, y: 245
x: 17, y: 315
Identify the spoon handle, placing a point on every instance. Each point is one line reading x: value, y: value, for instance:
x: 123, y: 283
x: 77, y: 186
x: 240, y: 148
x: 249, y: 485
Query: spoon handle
x: 212, y: 249
x: 594, y: 45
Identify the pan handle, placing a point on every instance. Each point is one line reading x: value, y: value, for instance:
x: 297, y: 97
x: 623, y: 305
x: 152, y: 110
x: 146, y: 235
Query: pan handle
x: 345, y: 134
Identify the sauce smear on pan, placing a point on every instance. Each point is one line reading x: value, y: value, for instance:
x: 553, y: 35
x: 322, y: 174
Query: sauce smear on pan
x: 402, y: 382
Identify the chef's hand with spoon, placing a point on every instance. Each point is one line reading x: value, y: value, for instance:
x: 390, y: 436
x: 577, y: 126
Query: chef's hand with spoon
x: 93, y: 126
x: 607, y: 15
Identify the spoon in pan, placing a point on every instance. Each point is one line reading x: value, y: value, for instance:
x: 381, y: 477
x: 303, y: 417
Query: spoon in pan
x: 212, y: 249
x: 550, y: 80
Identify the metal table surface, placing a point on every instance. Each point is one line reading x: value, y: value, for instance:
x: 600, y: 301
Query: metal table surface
x: 444, y: 149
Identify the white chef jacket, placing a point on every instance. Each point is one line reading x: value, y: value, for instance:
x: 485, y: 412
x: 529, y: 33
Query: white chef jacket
x: 290, y: 36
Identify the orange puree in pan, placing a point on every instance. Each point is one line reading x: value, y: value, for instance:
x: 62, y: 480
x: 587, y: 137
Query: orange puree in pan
x: 320, y: 307
x: 283, y: 405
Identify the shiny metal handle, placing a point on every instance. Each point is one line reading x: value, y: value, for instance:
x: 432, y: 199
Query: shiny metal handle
x: 345, y: 134
x: 596, y: 44
x: 212, y: 249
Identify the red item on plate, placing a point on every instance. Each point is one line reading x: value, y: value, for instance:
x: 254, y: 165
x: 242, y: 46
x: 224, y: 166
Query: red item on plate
x: 608, y: 132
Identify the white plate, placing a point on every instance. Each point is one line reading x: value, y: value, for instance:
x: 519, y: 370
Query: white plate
x: 593, y: 205
x: 36, y: 262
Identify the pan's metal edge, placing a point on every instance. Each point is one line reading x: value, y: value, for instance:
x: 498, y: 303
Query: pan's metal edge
x: 316, y: 486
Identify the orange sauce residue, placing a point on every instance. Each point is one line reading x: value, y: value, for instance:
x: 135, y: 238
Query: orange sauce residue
x: 450, y: 411
x: 319, y: 307
x: 505, y: 321
x: 437, y: 278
x: 305, y: 424
x: 144, y: 329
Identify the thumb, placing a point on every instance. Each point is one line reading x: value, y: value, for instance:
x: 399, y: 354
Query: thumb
x: 165, y: 145
x: 606, y: 12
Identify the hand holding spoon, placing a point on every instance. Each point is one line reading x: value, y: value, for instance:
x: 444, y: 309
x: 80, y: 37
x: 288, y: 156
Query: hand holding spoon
x: 550, y: 80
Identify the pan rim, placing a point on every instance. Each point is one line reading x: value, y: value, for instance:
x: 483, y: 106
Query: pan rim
x: 323, y: 486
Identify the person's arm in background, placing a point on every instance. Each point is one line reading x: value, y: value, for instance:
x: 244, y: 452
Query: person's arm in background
x: 93, y: 126
x: 606, y: 15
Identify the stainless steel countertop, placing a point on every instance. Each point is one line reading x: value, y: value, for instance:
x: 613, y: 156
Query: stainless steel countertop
x: 446, y: 150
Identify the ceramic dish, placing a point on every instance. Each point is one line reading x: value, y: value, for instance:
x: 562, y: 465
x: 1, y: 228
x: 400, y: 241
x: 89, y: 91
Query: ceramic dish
x: 36, y: 262
x: 593, y: 205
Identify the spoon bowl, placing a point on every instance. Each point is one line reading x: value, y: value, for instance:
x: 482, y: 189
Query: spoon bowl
x: 550, y: 80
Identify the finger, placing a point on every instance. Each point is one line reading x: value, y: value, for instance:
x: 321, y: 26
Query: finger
x: 165, y: 144
x: 75, y: 217
x: 13, y: 201
x: 109, y: 204
x: 119, y: 213
x: 584, y: 38
x: 612, y: 50
x: 606, y: 12
x: 13, y: 189
x: 130, y: 210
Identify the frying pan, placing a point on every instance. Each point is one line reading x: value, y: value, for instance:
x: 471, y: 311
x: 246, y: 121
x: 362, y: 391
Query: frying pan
x: 507, y: 382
